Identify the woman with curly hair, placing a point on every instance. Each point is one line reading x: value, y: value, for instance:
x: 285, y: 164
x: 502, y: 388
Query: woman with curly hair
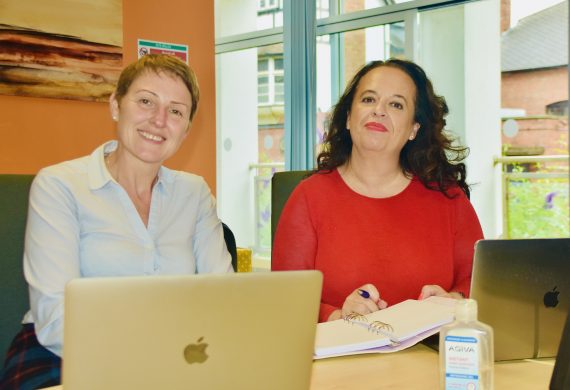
x: 386, y: 215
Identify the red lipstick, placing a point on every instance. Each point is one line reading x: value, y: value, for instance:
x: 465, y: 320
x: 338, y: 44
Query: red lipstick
x: 375, y: 126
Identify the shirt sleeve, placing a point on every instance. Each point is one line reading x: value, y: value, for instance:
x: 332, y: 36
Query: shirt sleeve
x: 295, y: 243
x: 210, y: 250
x: 467, y: 232
x: 51, y: 255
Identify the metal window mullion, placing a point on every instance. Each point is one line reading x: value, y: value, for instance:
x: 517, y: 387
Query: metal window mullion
x: 249, y: 40
x: 335, y: 23
x: 360, y: 23
x: 299, y: 20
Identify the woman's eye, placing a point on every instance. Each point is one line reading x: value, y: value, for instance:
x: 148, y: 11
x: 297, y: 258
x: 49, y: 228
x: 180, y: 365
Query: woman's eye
x: 144, y: 101
x: 397, y: 105
x: 367, y: 99
x: 176, y: 112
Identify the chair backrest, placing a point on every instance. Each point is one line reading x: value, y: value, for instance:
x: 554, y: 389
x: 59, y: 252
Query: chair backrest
x: 14, y: 302
x: 231, y: 244
x: 282, y: 185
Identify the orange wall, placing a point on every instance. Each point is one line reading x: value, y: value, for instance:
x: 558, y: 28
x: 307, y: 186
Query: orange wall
x: 38, y: 132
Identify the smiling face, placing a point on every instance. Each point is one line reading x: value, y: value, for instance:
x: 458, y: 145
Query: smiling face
x: 153, y: 117
x: 381, y: 117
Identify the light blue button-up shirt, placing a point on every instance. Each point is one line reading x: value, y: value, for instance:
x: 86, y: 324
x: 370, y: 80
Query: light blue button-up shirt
x: 82, y: 223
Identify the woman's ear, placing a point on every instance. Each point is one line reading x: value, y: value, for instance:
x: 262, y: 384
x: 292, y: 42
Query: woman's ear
x: 114, y: 107
x: 415, y: 129
x: 348, y: 120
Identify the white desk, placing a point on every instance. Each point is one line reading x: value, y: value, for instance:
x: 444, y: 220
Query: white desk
x: 415, y: 368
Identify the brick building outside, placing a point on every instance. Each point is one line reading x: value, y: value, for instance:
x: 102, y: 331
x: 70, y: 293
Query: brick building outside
x: 534, y: 80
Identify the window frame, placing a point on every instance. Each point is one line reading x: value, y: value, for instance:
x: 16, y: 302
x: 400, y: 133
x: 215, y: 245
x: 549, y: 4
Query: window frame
x: 271, y: 74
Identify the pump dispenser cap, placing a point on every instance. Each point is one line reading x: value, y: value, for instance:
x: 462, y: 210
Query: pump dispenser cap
x: 466, y: 310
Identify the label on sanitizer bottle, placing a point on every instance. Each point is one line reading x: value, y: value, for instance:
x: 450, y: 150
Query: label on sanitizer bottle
x: 461, y: 363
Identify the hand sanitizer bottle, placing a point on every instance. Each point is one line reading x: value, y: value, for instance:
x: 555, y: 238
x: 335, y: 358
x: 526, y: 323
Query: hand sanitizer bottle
x: 466, y: 351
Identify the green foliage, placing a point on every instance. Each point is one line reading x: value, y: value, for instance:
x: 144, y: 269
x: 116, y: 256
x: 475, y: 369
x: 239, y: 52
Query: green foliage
x: 538, y: 208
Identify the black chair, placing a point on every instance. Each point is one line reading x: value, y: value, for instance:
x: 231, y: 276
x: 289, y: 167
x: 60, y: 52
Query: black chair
x: 282, y: 185
x: 14, y: 302
x: 560, y: 379
x: 230, y: 244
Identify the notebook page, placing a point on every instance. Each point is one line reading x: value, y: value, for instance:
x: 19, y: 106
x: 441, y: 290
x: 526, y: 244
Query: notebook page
x: 412, y: 317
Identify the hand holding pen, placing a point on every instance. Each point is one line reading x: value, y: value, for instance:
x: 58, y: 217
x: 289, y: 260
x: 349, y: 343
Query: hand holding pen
x: 370, y: 292
x: 365, y: 299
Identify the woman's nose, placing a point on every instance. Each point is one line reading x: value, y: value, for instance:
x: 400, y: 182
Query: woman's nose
x: 379, y: 110
x: 159, y: 116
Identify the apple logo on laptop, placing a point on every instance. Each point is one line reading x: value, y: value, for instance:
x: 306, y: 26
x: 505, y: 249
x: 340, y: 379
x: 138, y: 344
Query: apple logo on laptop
x: 196, y: 353
x: 551, y: 298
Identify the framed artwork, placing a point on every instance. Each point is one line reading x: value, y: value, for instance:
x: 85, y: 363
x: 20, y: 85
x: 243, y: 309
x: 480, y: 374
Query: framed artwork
x: 65, y: 49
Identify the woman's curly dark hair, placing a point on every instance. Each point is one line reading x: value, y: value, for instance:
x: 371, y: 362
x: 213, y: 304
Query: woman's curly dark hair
x: 431, y: 156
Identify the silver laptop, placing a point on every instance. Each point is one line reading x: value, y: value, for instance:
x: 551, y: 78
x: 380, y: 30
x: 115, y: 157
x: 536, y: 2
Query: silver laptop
x: 230, y: 331
x: 523, y: 291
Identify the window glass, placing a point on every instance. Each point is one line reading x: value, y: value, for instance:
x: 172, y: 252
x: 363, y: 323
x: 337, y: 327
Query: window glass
x: 262, y: 65
x: 270, y: 75
x: 279, y: 89
x: 262, y: 90
x: 322, y: 9
x: 246, y: 16
x: 534, y: 108
x: 558, y: 108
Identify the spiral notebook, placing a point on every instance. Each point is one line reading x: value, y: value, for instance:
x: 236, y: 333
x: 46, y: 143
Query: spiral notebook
x: 395, y: 328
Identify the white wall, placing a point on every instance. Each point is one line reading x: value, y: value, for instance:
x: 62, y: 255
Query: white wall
x: 483, y: 110
x: 441, y: 54
x: 236, y: 107
x: 236, y: 120
x: 461, y: 55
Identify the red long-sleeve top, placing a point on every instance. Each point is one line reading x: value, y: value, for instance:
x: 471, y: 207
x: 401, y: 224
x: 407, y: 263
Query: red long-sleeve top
x: 399, y: 243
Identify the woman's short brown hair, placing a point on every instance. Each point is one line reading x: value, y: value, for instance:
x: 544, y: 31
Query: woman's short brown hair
x: 159, y: 63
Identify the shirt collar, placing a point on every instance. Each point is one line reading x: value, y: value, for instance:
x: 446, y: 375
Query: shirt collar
x: 97, y: 171
x: 99, y: 175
